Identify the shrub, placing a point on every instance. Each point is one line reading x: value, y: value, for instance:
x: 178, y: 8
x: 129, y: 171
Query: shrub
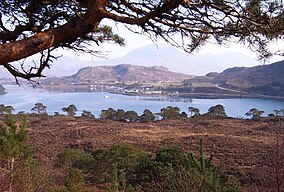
x: 126, y: 168
x: 173, y: 170
x: 87, y: 114
x: 146, y: 116
x: 19, y: 168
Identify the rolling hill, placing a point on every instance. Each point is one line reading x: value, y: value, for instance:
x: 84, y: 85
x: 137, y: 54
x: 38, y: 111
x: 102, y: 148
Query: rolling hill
x: 263, y: 79
x: 120, y: 73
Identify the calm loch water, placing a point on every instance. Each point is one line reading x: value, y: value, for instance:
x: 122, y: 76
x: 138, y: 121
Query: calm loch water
x: 23, y: 99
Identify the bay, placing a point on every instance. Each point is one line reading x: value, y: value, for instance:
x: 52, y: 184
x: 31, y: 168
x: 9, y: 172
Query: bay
x: 24, y: 98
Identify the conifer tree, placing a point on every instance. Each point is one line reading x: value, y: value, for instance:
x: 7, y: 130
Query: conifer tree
x: 70, y: 110
x: 17, y: 163
x: 39, y: 109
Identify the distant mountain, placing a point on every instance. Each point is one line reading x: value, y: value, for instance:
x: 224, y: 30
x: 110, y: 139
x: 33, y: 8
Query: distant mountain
x: 4, y: 73
x: 63, y: 66
x: 150, y: 55
x: 1, y: 89
x: 120, y: 73
x: 263, y: 79
x: 179, y: 61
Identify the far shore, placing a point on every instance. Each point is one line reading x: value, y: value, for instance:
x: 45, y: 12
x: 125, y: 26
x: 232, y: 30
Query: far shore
x: 84, y: 88
x: 208, y: 96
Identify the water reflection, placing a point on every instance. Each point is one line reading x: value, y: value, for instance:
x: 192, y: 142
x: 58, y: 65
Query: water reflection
x: 91, y: 100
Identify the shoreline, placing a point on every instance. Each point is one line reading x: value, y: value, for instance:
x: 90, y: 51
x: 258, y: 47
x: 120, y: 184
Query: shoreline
x: 207, y: 96
x: 82, y: 88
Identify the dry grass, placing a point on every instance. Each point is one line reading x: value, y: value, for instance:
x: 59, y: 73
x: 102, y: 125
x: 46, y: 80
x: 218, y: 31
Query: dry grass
x: 241, y: 147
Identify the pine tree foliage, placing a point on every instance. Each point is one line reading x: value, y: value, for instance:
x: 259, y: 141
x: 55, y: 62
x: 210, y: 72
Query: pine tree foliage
x: 17, y: 162
x: 70, y: 110
x: 29, y: 27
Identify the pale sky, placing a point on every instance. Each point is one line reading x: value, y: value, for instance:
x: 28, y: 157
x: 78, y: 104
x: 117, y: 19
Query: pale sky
x: 134, y: 41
